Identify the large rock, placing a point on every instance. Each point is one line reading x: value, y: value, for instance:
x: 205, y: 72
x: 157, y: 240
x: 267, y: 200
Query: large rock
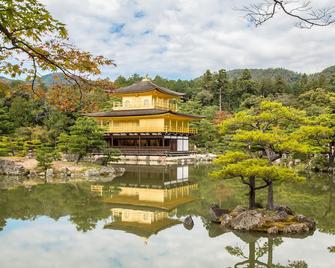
x: 273, y: 230
x: 247, y: 220
x: 225, y: 220
x: 64, y: 173
x: 311, y: 224
x: 103, y: 174
x: 280, y: 216
x: 295, y: 228
x: 237, y: 211
x: 11, y: 168
x: 281, y: 220
x: 285, y: 209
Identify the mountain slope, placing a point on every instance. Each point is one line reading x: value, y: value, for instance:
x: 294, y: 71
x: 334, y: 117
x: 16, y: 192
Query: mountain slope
x: 269, y: 73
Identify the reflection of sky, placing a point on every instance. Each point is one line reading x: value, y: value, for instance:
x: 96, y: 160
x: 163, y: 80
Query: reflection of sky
x: 48, y: 243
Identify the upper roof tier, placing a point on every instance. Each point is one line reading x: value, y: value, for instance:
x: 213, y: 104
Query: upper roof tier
x: 144, y: 86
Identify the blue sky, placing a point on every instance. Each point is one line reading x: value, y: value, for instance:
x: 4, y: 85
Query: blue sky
x: 183, y: 38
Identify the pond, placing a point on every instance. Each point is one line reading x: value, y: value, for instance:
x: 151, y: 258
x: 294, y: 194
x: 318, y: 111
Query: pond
x: 137, y: 221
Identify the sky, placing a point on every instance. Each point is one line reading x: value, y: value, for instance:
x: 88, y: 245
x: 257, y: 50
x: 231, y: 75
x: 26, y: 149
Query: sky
x: 183, y: 38
x: 43, y: 242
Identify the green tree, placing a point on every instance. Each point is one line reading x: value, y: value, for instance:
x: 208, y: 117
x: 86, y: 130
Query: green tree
x: 267, y: 134
x: 317, y: 101
x: 4, y: 146
x: 205, y: 95
x: 246, y: 86
x: 7, y: 125
x: 110, y: 155
x: 254, y: 172
x: 220, y: 88
x: 280, y: 85
x: 32, y: 39
x: 56, y: 122
x: 45, y: 155
x: 85, y: 137
x: 25, y: 112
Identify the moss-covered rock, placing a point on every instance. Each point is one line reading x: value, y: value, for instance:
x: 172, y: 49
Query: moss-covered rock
x: 282, y: 220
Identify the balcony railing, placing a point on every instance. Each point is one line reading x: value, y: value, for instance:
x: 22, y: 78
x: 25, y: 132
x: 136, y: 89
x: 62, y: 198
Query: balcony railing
x: 138, y: 129
x: 153, y: 105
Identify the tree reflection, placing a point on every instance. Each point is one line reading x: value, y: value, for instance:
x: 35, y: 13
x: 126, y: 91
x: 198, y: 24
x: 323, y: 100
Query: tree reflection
x: 257, y: 250
x: 55, y: 201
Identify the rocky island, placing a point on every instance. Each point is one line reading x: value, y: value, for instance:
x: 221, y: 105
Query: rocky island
x: 281, y: 220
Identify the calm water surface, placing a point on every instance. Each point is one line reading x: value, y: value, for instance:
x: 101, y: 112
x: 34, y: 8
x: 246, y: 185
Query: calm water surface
x: 137, y: 221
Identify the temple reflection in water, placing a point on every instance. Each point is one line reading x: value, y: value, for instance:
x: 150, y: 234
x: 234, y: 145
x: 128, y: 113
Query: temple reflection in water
x: 145, y: 199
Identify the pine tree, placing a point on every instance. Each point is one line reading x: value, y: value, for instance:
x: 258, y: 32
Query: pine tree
x: 263, y: 135
x: 220, y: 88
x: 85, y: 137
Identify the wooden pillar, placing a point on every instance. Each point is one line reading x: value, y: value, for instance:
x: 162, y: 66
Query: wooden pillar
x: 139, y: 143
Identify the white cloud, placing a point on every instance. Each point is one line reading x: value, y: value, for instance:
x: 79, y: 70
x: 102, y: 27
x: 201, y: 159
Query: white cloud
x: 183, y: 38
x: 47, y: 243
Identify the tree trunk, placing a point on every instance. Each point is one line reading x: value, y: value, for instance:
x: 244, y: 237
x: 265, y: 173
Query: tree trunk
x: 45, y: 177
x: 252, y: 193
x: 220, y: 100
x: 252, y: 254
x: 331, y: 154
x: 270, y: 196
x: 270, y: 252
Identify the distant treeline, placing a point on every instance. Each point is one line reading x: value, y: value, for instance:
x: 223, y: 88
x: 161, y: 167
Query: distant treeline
x: 40, y: 116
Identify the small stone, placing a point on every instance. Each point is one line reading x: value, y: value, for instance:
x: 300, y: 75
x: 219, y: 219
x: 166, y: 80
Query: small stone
x: 188, y: 223
x: 225, y: 220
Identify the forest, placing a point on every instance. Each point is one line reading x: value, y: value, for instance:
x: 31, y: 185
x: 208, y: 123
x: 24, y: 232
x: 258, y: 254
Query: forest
x: 31, y: 119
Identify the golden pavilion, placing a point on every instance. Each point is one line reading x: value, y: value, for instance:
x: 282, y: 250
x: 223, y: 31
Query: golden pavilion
x: 146, y: 121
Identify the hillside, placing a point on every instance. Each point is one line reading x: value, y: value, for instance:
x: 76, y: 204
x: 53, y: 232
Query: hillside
x: 269, y: 73
x: 328, y: 71
x: 257, y: 74
x: 54, y: 78
x: 47, y: 80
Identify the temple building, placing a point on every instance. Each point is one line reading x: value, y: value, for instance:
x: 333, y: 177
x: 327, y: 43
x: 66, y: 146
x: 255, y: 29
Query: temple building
x: 146, y: 121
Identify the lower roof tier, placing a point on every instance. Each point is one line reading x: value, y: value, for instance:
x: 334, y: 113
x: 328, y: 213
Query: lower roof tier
x: 145, y: 121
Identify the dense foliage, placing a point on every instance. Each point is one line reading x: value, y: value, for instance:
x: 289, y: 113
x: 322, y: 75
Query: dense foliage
x: 29, y: 120
x: 32, y: 40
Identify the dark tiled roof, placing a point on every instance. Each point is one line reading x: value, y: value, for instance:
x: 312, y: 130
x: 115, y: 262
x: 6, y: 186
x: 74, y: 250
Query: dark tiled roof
x: 146, y: 85
x: 142, y: 229
x: 138, y: 112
